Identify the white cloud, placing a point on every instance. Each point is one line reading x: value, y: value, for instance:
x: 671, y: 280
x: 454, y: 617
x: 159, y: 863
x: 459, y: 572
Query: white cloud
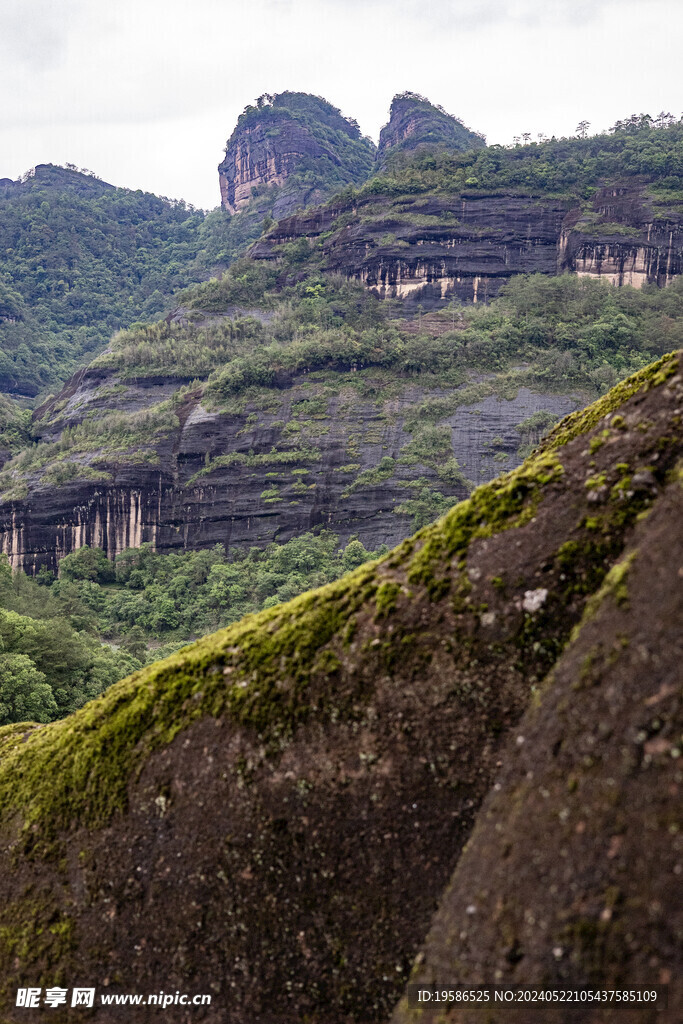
x: 35, y: 32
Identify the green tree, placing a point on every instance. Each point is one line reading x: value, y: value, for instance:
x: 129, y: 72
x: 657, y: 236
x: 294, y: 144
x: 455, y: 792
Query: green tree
x: 87, y: 564
x: 25, y: 694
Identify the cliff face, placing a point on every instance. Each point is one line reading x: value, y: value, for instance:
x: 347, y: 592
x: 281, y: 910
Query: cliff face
x: 283, y: 136
x: 256, y: 475
x: 433, y: 249
x: 252, y: 159
x: 623, y: 240
x: 271, y: 815
x: 415, y: 122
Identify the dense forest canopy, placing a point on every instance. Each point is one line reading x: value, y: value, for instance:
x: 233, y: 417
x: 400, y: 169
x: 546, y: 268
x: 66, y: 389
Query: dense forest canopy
x: 79, y: 259
x: 638, y: 148
x: 64, y: 640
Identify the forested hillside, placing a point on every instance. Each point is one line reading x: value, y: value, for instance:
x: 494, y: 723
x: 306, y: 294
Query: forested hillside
x: 285, y: 397
x: 65, y: 640
x: 80, y: 259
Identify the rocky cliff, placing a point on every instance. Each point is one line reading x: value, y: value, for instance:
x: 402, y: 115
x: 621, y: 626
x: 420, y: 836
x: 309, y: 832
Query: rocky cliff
x: 209, y: 443
x: 284, y: 138
x: 337, y: 449
x: 432, y: 249
x: 415, y: 122
x: 271, y: 815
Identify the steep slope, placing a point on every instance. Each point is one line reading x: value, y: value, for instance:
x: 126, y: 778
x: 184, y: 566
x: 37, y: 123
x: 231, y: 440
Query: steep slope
x: 295, y: 141
x: 271, y: 815
x: 572, y: 874
x: 269, y: 404
x: 414, y: 122
x: 366, y: 422
x: 444, y: 225
x: 277, y: 400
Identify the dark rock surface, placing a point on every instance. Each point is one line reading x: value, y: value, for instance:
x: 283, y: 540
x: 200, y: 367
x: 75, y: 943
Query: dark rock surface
x: 167, y: 504
x: 432, y: 249
x: 271, y: 815
x: 253, y: 159
x: 571, y: 877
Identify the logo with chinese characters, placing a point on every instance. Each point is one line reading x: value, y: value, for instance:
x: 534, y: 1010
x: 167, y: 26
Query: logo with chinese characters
x: 30, y: 997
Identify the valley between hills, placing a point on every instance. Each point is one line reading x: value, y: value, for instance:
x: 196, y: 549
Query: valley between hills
x: 340, y: 590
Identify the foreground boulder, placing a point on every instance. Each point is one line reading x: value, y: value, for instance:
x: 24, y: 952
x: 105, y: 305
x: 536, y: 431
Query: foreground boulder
x: 272, y: 815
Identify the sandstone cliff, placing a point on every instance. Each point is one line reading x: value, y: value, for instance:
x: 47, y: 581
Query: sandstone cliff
x: 337, y: 448
x: 292, y: 138
x: 272, y: 814
x: 415, y: 122
x: 432, y: 249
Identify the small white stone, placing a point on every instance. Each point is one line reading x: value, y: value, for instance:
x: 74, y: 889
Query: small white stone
x: 534, y: 599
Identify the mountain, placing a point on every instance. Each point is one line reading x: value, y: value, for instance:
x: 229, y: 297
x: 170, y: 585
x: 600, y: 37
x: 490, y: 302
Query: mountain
x: 276, y: 400
x: 298, y: 143
x: 486, y: 719
x: 414, y: 122
x: 294, y: 150
x: 284, y: 396
x: 444, y: 225
x: 80, y: 259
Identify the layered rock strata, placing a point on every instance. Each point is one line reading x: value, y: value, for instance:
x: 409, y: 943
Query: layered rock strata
x: 258, y: 475
x: 431, y: 250
x: 292, y: 134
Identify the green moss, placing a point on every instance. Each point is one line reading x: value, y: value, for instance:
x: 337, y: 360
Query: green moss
x: 504, y: 503
x: 259, y: 672
x: 614, y: 585
x: 33, y: 929
x: 581, y: 422
x: 597, y: 442
x: 386, y: 598
x: 269, y: 672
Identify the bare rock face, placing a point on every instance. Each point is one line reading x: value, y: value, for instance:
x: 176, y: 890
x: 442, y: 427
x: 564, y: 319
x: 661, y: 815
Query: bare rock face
x: 286, y: 134
x: 254, y: 159
x: 415, y: 122
x: 258, y: 475
x: 571, y: 877
x: 433, y: 249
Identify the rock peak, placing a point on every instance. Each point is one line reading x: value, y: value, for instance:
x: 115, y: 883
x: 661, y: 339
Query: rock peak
x: 414, y: 122
x: 281, y: 136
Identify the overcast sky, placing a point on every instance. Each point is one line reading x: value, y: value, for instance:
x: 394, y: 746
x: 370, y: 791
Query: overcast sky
x: 145, y: 92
